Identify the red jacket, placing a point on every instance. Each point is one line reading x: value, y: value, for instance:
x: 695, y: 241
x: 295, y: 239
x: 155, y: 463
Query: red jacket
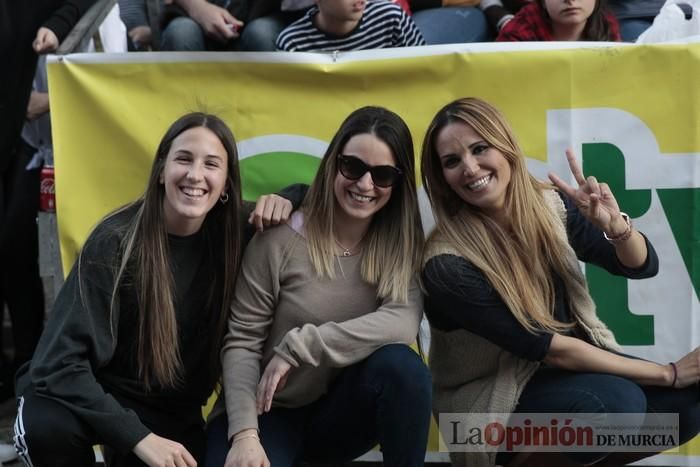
x: 531, y: 24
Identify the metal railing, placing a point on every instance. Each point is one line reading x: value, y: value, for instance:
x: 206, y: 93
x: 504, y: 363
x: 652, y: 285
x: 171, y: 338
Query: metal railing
x: 79, y: 37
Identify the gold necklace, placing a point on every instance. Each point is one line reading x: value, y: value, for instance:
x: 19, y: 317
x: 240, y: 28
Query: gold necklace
x: 346, y: 251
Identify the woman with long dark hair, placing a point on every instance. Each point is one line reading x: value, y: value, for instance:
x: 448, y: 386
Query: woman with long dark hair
x: 130, y: 351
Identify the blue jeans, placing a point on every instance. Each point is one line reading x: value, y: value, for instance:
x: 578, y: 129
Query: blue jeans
x: 261, y: 34
x: 185, y: 35
x: 553, y: 390
x: 452, y: 25
x: 630, y: 29
x: 383, y: 399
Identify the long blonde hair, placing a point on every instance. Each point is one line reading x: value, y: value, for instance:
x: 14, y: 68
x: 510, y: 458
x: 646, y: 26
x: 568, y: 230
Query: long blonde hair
x: 517, y: 261
x: 392, y: 252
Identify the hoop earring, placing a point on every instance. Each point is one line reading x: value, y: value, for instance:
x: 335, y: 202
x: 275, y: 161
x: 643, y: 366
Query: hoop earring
x: 224, y: 198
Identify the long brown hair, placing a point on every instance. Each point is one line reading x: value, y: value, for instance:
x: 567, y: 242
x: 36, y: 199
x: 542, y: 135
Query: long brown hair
x: 597, y: 26
x: 145, y: 258
x: 517, y: 261
x: 391, y: 257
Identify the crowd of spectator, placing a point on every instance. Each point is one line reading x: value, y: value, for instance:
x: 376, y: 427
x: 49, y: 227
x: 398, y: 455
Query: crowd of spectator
x: 326, y: 25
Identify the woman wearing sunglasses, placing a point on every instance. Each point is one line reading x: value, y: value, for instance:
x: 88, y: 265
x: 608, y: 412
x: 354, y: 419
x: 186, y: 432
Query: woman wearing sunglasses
x: 317, y: 363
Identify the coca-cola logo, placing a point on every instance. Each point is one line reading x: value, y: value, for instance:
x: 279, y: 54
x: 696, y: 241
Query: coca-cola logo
x: 47, y: 186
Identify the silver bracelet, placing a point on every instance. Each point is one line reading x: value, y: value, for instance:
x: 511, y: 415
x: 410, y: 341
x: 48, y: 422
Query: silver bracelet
x: 624, y: 236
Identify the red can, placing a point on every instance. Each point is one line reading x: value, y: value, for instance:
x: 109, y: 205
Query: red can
x: 47, y: 190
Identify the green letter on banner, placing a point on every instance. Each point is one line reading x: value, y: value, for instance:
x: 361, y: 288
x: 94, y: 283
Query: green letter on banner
x: 679, y: 207
x: 607, y: 163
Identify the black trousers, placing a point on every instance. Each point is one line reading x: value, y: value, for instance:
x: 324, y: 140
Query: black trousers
x: 48, y: 434
x: 20, y: 285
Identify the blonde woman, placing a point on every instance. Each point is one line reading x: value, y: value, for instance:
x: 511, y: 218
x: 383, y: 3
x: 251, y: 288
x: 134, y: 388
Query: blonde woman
x: 514, y: 328
x: 316, y: 360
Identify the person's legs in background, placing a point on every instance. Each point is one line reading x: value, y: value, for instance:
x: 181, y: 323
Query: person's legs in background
x: 452, y: 25
x: 260, y: 34
x: 182, y: 34
x: 630, y: 29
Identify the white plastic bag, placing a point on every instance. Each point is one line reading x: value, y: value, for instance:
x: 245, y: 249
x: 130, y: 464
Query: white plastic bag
x: 670, y: 24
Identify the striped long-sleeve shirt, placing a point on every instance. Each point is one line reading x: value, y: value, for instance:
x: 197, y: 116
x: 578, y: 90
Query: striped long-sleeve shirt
x: 383, y: 25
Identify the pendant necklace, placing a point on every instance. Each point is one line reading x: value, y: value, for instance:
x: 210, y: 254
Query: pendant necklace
x: 347, y: 251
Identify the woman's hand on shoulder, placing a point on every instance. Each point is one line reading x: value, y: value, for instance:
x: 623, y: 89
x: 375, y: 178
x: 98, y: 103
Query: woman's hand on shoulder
x: 273, y: 379
x: 246, y: 451
x: 594, y: 200
x: 157, y: 451
x: 687, y: 370
x: 270, y: 210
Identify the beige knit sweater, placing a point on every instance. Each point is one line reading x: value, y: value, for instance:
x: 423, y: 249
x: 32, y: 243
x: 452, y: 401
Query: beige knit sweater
x: 470, y: 374
x: 317, y: 324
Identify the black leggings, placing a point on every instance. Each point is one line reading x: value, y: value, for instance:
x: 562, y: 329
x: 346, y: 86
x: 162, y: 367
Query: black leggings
x: 48, y: 434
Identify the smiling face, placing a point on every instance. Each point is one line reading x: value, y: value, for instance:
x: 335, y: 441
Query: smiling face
x: 569, y: 13
x: 194, y: 177
x: 360, y: 199
x: 478, y: 173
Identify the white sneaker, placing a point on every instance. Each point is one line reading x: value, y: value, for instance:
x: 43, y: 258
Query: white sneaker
x: 7, y: 453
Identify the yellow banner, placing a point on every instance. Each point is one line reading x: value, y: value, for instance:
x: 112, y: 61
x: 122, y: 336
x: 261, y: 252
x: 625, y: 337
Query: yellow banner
x: 109, y: 111
x: 630, y: 111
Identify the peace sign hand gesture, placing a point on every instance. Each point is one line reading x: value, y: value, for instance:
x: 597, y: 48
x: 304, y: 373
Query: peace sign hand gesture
x: 594, y: 200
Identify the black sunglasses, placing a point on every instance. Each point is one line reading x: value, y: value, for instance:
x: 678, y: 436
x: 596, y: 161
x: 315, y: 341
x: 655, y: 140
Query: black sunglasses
x: 353, y: 168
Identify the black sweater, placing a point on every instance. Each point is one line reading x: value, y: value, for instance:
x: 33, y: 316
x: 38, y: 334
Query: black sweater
x: 88, y: 363
x: 458, y: 295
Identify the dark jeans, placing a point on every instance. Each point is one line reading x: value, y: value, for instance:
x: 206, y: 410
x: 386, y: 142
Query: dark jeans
x: 632, y: 28
x: 260, y: 34
x: 384, y: 399
x: 561, y: 391
x: 48, y: 434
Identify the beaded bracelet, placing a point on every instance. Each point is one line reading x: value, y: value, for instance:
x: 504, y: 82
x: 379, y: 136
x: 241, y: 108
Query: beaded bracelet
x: 675, y: 374
x: 624, y: 235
